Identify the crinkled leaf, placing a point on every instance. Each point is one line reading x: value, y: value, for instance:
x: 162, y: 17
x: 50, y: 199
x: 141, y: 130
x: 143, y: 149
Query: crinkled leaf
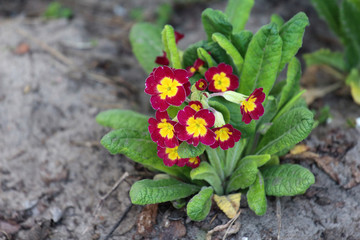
x: 261, y: 61
x: 206, y: 57
x: 353, y: 80
x: 230, y: 50
x: 241, y: 41
x: 287, y: 180
x: 292, y: 86
x: 256, y: 196
x: 290, y: 105
x: 173, y: 110
x: 292, y: 127
x: 138, y: 146
x: 329, y: 11
x: 221, y: 108
x: 215, y: 21
x: 145, y: 40
x: 350, y: 18
x: 229, y: 204
x: 326, y: 57
x: 270, y: 110
x: 260, y: 160
x: 157, y: 191
x: 190, y: 54
x: 199, y: 205
x: 292, y: 33
x: 186, y: 150
x: 238, y: 12
x: 243, y: 176
x: 216, y: 158
x: 169, y: 42
x: 117, y: 118
x: 206, y: 172
x: 217, y: 53
x: 278, y: 20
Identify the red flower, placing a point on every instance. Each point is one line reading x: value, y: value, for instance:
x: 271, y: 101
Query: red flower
x: 226, y: 137
x: 162, y: 60
x: 162, y: 130
x: 252, y: 107
x: 194, y: 127
x: 221, y: 79
x: 167, y: 86
x: 178, y: 36
x: 170, y: 156
x: 201, y: 84
x: 193, y: 162
x: 196, y: 105
x: 194, y: 68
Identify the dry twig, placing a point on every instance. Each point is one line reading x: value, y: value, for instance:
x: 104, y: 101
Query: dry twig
x: 278, y: 215
x: 222, y: 227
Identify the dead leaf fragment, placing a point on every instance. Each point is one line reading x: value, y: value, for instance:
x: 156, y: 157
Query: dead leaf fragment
x: 9, y: 227
x: 300, y: 148
x: 229, y: 204
x: 22, y: 49
x: 147, y: 219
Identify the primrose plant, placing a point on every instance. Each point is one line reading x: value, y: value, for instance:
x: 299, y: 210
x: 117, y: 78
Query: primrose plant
x: 220, y: 123
x: 343, y: 19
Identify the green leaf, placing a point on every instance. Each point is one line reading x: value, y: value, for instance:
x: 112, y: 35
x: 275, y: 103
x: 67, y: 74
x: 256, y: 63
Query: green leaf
x: 214, y: 157
x: 206, y: 172
x: 260, y: 160
x: 238, y: 12
x: 206, y: 57
x: 117, y: 118
x: 243, y: 176
x: 169, y: 42
x: 146, y: 43
x: 190, y: 54
x: 292, y: 86
x: 290, y: 105
x: 292, y: 127
x: 199, y: 205
x: 353, y: 80
x: 241, y: 41
x: 230, y: 50
x: 233, y: 156
x: 221, y: 108
x: 291, y: 34
x: 350, y: 18
x: 270, y: 110
x: 261, y: 61
x: 138, y: 146
x: 326, y: 57
x: 217, y: 53
x: 278, y: 20
x: 173, y: 110
x: 149, y: 191
x: 186, y: 150
x: 287, y: 180
x: 329, y: 11
x: 215, y: 21
x: 256, y: 197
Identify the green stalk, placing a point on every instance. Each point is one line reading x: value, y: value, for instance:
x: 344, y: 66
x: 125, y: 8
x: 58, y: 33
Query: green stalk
x: 216, y: 162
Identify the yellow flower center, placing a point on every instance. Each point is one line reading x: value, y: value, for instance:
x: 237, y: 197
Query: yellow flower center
x: 172, y: 153
x: 195, y: 107
x: 201, y: 84
x: 166, y: 129
x: 192, y: 69
x: 249, y: 105
x: 194, y: 160
x: 196, y: 127
x: 221, y: 81
x: 223, y: 134
x: 168, y: 87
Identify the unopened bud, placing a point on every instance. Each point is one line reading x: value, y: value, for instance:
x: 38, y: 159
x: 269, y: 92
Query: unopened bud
x: 234, y: 97
x: 219, y: 119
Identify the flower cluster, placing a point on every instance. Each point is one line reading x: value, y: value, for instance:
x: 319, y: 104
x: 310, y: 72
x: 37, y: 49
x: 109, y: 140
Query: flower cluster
x: 196, y: 122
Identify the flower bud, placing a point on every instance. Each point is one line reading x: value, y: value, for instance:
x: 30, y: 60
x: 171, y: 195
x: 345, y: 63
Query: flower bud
x: 219, y: 119
x: 234, y: 97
